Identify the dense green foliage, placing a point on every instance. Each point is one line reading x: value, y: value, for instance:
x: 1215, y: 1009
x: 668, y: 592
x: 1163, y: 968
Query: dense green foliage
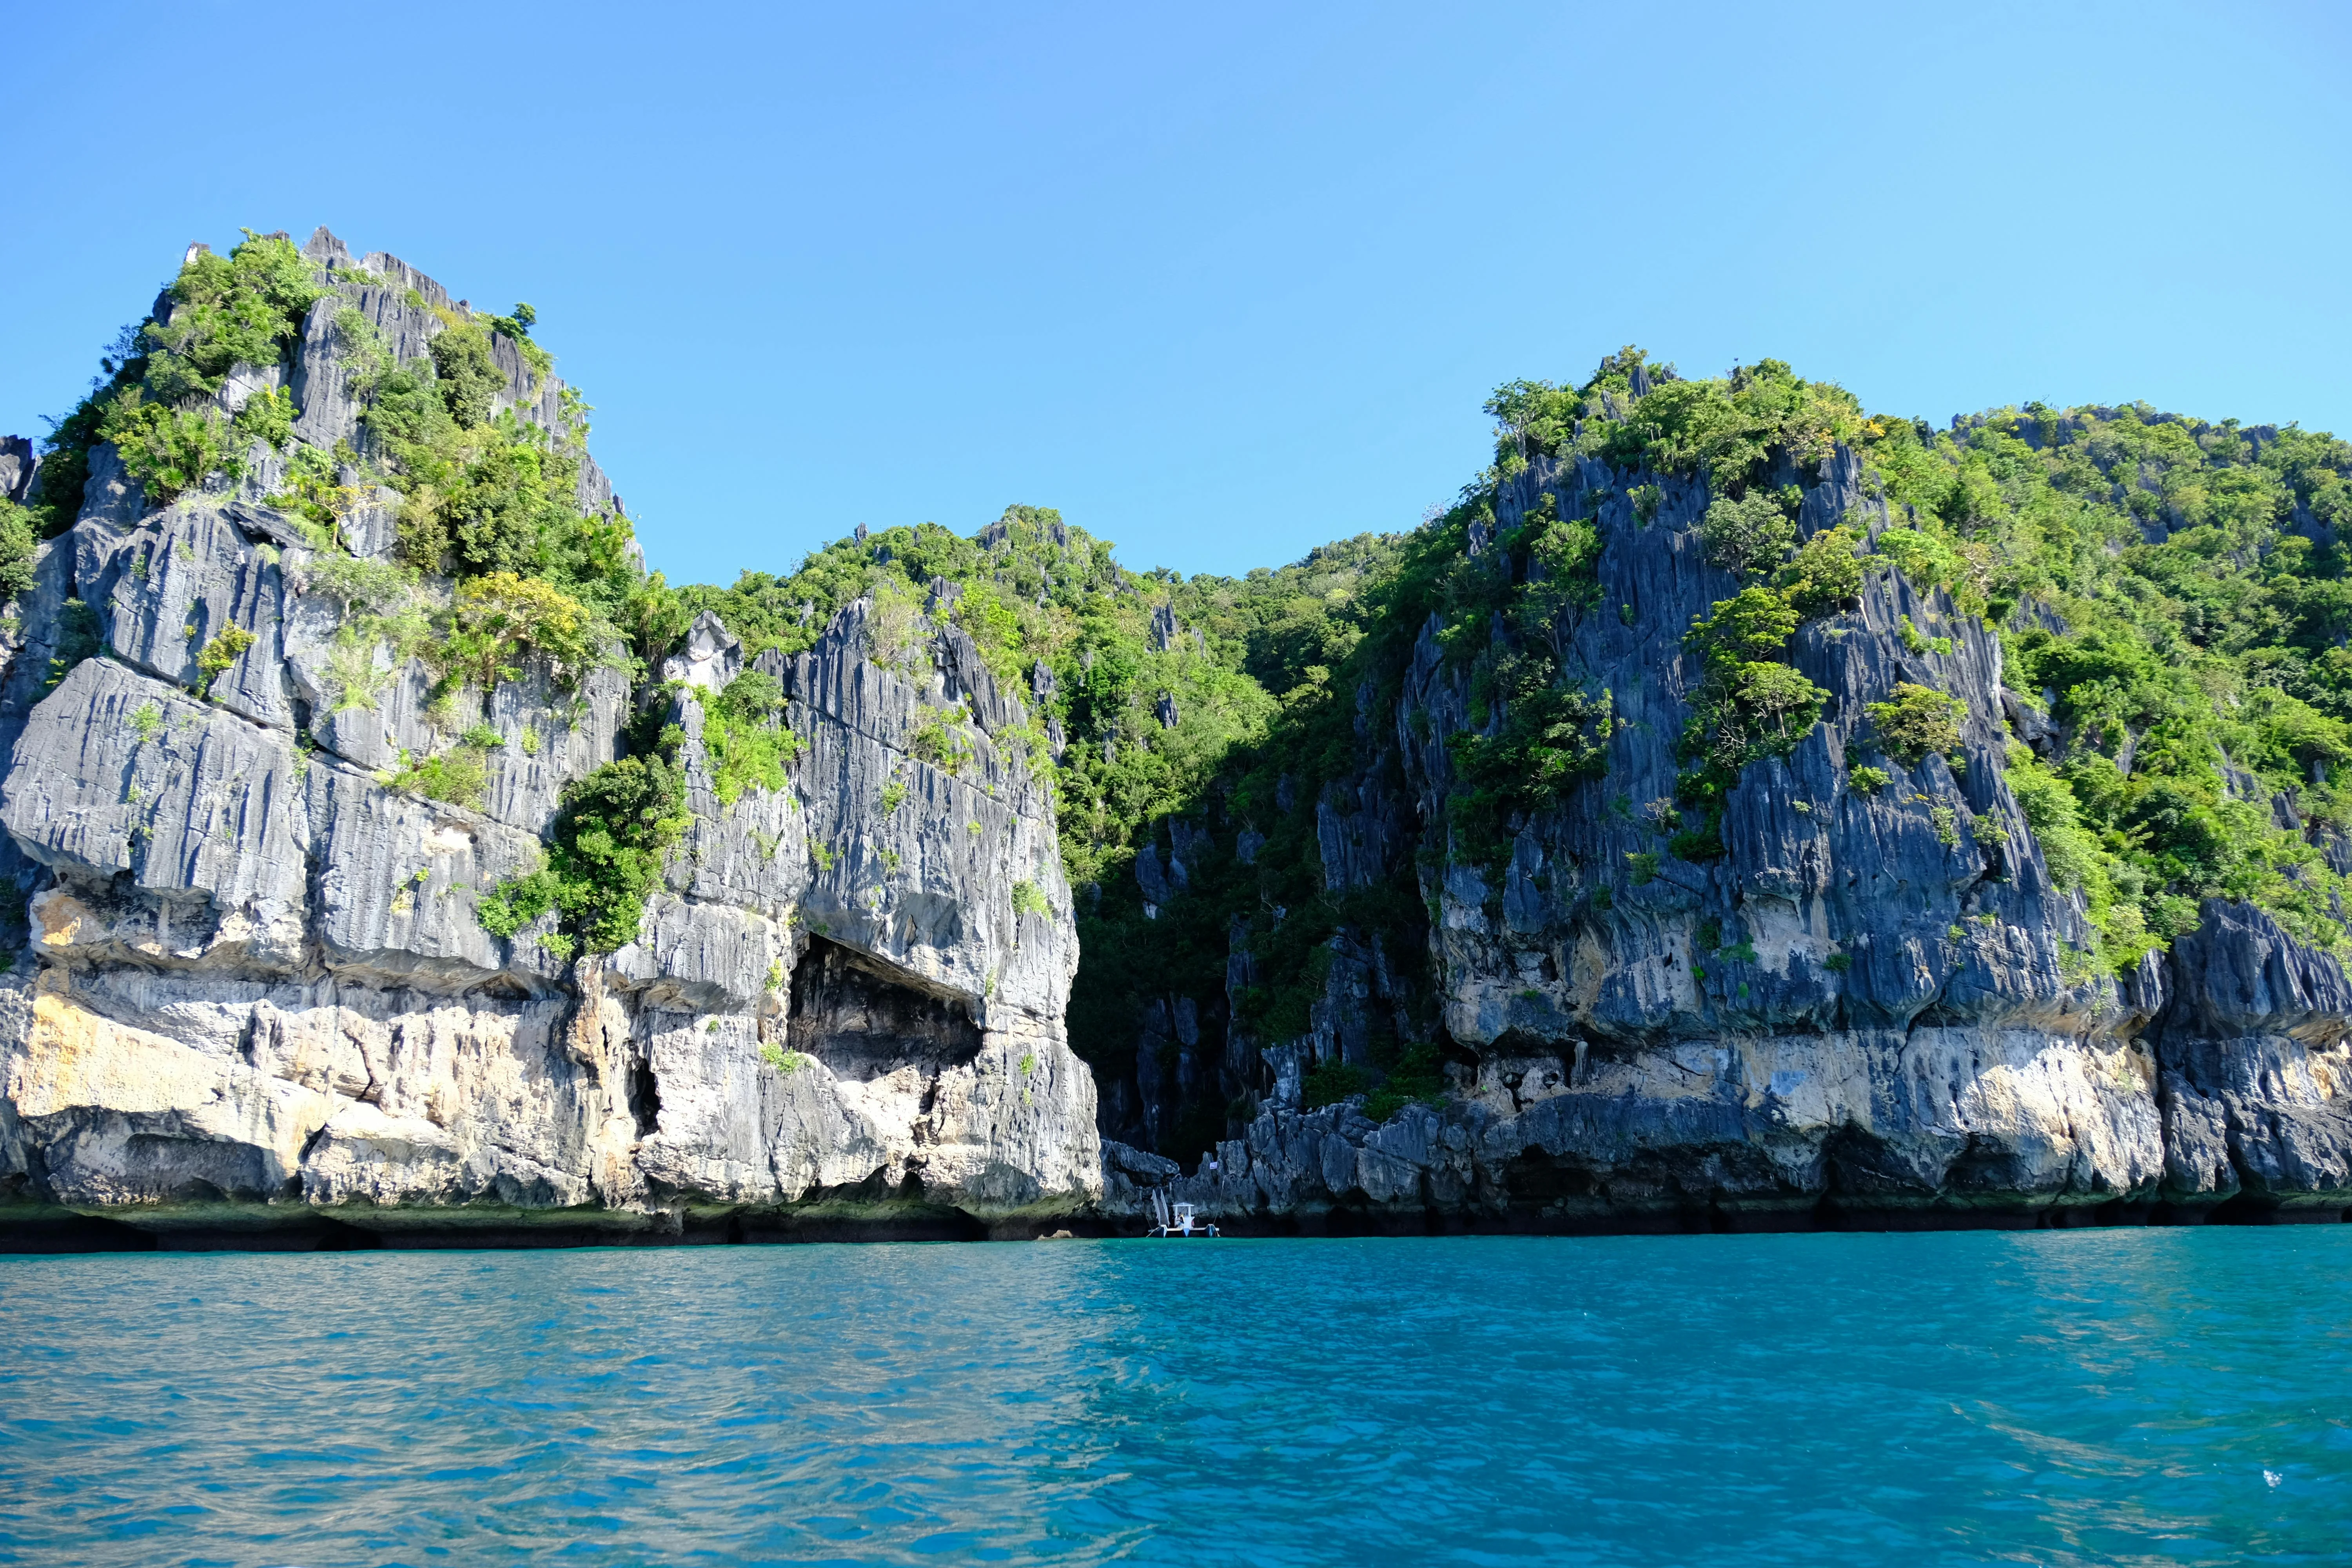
x: 483, y: 492
x: 2192, y: 605
x: 1266, y: 694
x: 746, y: 738
x: 604, y: 856
x: 2178, y: 590
x: 1916, y: 720
x: 20, y: 538
x: 1253, y: 657
x: 1747, y: 534
x: 1047, y: 594
x: 466, y: 376
x: 169, y: 450
x: 244, y: 308
x: 1750, y: 702
x: 217, y: 655
x: 488, y: 492
x: 153, y: 398
x: 458, y: 774
x: 495, y: 620
x: 1638, y: 416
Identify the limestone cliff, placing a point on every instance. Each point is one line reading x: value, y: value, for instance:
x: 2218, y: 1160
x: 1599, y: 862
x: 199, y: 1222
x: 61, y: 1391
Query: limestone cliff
x: 1736, y: 812
x: 1868, y: 1007
x: 257, y: 1002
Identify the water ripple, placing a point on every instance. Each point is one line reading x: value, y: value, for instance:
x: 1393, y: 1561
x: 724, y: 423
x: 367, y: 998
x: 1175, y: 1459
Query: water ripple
x: 2059, y: 1399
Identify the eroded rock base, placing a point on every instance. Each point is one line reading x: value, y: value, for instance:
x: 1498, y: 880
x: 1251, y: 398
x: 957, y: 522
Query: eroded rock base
x: 35, y: 1227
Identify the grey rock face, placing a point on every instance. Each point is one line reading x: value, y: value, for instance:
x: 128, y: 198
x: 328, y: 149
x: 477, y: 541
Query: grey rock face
x: 371, y: 529
x: 110, y: 494
x: 774, y: 1037
x: 550, y: 735
x: 1750, y: 1133
x: 258, y: 988
x: 18, y: 467
x: 397, y: 884
x: 121, y: 782
x: 535, y: 398
x: 325, y: 249
x: 243, y: 381
x: 593, y: 493
x: 173, y: 584
x: 327, y: 373
x: 2255, y: 1044
x: 925, y: 823
x: 404, y: 278
x: 692, y: 957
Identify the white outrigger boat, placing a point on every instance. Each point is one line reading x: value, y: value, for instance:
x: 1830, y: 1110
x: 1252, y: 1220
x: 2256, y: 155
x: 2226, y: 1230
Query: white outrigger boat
x: 1178, y: 1221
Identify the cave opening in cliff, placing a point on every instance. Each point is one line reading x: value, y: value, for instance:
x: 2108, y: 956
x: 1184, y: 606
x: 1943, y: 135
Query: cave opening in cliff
x: 644, y: 1096
x: 865, y: 1020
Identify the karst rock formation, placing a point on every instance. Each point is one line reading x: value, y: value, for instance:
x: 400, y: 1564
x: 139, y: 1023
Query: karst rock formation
x: 341, y: 925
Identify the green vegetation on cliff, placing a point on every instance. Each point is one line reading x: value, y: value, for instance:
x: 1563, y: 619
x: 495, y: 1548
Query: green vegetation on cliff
x: 2176, y: 588
x: 153, y: 398
x: 500, y: 567
x: 2176, y: 593
x: 603, y: 859
x: 1034, y: 591
x: 484, y: 493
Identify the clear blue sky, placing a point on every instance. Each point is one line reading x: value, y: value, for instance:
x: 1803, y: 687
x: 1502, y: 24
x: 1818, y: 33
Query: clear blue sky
x: 1221, y: 282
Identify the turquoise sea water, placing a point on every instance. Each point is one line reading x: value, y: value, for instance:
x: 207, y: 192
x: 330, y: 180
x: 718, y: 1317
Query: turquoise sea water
x: 2071, y: 1398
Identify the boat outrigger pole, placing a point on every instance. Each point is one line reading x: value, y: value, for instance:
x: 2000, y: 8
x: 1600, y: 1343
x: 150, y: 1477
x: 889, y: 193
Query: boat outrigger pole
x: 1181, y: 1222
